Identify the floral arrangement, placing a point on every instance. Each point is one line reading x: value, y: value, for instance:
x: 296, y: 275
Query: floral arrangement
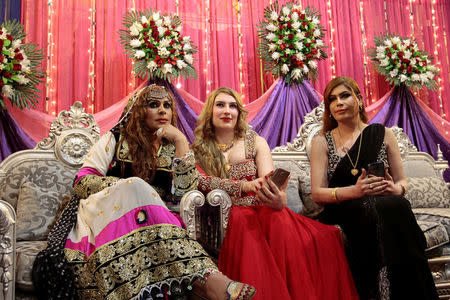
x: 401, y: 62
x: 155, y: 44
x: 19, y: 62
x: 291, y: 41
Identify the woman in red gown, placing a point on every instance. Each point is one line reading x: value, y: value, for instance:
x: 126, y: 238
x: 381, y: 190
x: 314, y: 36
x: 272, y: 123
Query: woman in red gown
x: 283, y: 254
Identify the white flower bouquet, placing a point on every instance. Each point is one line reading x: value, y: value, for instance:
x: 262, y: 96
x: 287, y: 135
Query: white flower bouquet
x: 155, y: 44
x: 19, y: 67
x: 400, y: 61
x: 291, y: 41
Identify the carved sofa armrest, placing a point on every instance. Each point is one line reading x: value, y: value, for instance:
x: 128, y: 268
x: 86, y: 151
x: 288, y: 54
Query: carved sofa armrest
x: 206, y: 221
x: 7, y: 250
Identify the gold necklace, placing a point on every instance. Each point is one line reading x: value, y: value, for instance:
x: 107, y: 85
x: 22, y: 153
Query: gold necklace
x: 354, y: 171
x: 225, y: 147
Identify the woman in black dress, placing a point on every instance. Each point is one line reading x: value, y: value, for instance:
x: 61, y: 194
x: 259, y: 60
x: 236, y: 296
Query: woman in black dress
x: 385, y: 246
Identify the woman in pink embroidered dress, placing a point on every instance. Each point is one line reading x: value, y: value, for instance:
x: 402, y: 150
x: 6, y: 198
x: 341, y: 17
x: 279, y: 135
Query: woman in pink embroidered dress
x: 283, y: 254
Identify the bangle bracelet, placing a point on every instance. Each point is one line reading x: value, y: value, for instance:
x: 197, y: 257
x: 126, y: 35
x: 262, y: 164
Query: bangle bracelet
x: 403, y: 189
x: 333, y: 195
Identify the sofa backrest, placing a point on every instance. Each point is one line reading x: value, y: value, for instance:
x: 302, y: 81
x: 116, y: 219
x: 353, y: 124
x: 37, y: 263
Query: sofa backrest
x: 47, y: 171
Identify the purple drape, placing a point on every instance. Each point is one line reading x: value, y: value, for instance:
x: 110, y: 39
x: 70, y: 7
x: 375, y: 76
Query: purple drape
x: 282, y: 115
x: 402, y: 109
x: 187, y: 118
x: 12, y: 137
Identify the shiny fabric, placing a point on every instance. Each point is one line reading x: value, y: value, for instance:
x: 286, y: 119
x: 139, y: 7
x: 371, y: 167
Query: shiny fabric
x: 385, y: 246
x: 282, y: 254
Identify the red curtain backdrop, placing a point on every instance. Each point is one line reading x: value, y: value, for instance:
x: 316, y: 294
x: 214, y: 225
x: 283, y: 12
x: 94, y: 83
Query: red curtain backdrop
x: 214, y: 26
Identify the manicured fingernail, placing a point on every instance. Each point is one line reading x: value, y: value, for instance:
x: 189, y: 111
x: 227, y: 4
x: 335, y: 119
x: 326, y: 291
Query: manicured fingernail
x: 260, y: 183
x: 257, y: 188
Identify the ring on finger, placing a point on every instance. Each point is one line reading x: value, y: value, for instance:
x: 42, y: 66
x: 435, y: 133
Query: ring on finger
x: 370, y: 186
x: 369, y: 180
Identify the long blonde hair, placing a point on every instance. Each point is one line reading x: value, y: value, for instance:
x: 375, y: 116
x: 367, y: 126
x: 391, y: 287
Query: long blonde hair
x: 328, y: 121
x: 207, y: 154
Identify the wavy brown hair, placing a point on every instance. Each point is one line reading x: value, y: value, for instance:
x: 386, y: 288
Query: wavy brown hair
x: 328, y: 121
x: 140, y: 138
x: 207, y: 154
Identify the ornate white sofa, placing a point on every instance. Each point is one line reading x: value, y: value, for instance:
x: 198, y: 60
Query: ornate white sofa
x: 206, y: 217
x: 32, y: 185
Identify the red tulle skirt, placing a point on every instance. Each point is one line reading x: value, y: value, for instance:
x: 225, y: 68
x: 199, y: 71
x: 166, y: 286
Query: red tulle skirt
x: 285, y: 255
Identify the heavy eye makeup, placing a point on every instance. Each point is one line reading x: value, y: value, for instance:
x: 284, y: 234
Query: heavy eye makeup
x: 155, y: 104
x: 343, y: 95
x: 233, y: 105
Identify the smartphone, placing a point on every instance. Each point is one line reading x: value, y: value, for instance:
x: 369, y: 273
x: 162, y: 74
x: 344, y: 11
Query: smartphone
x: 376, y: 169
x: 279, y: 176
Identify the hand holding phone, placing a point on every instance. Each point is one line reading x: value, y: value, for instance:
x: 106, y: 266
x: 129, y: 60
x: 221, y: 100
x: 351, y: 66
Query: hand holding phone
x: 279, y: 177
x: 376, y: 169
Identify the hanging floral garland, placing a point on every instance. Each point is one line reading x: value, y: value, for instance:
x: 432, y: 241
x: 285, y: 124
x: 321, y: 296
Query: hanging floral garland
x: 291, y: 41
x: 19, y: 67
x: 400, y: 61
x: 155, y: 44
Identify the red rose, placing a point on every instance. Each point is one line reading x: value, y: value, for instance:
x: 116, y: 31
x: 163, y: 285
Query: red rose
x: 1, y: 32
x: 283, y: 46
x: 145, y: 25
x: 305, y: 23
x: 172, y: 51
x: 307, y: 34
x: 400, y: 54
x: 308, y: 45
x: 1, y: 83
x: 7, y: 74
x: 159, y: 60
x: 402, y: 68
x: 172, y: 42
x: 424, y: 62
x: 152, y: 23
x: 406, y: 61
x: 282, y: 27
x: 1, y: 44
x: 309, y: 56
x: 1, y: 58
x: 395, y: 61
x: 291, y: 46
x: 280, y: 36
x: 394, y: 47
x: 9, y: 37
x: 167, y: 33
x: 17, y: 67
x: 289, y: 25
x: 314, y: 51
x: 285, y: 55
x: 18, y: 56
x: 291, y: 36
x: 409, y: 69
x: 145, y: 39
x: 417, y: 71
x: 389, y: 54
x: 155, y: 35
x: 302, y: 16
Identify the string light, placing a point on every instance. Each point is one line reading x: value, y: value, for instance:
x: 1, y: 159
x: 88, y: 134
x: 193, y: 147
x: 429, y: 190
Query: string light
x: 50, y: 104
x: 438, y: 63
x: 364, y: 52
x: 240, y: 50
x: 91, y: 51
x: 206, y: 44
x: 132, y: 84
x: 385, y: 15
x: 330, y: 25
x: 410, y: 14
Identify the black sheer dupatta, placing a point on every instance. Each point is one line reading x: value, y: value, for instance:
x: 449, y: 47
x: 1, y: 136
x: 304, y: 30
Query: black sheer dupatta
x: 372, y: 140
